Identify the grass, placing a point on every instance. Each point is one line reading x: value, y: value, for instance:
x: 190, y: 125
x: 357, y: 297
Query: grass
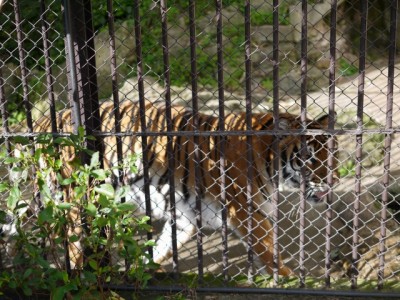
x: 190, y: 281
x: 184, y: 287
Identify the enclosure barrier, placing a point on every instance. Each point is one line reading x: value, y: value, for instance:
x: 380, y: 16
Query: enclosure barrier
x: 307, y: 58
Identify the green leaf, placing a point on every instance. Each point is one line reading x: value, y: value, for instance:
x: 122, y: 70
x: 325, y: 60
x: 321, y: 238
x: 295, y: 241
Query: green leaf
x: 103, y: 201
x: 91, y: 138
x: 101, y: 221
x: 105, y: 189
x: 81, y: 132
x: 27, y: 273
x: 21, y: 140
x: 150, y: 243
x: 91, y: 209
x: 79, y: 191
x: 73, y: 238
x: 58, y: 240
x: 99, y: 174
x: 4, y: 187
x: 27, y: 290
x: 46, y: 215
x: 59, y: 293
x: 64, y: 206
x: 61, y: 140
x: 126, y: 206
x: 64, y: 181
x: 38, y: 153
x: 121, y: 192
x: 93, y: 264
x: 11, y: 160
x: 13, y: 197
x: 94, y: 161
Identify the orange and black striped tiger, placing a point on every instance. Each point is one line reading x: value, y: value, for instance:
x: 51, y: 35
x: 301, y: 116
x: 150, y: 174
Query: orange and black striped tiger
x: 210, y: 190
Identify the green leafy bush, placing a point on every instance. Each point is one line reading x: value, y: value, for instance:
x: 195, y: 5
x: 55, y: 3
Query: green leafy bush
x: 39, y: 260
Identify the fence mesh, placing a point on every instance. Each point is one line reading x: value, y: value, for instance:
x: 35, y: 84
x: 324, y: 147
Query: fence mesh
x: 206, y: 62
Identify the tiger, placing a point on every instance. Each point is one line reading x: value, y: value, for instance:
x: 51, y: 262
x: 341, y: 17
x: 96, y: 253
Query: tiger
x: 208, y: 183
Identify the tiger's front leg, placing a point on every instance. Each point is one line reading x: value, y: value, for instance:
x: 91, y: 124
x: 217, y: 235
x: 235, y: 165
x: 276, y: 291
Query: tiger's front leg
x: 184, y: 232
x: 263, y: 241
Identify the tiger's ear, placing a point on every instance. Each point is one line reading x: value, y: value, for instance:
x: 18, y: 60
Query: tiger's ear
x: 323, y: 121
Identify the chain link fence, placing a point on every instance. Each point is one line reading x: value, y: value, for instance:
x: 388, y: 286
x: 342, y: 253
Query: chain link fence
x: 168, y: 82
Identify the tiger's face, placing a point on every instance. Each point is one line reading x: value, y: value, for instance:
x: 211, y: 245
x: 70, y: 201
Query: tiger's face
x: 314, y: 164
x: 309, y: 164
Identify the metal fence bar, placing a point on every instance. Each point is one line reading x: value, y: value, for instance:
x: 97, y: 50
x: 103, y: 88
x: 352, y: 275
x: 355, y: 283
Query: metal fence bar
x: 388, y: 140
x: 81, y: 63
x: 143, y: 127
x: 71, y: 63
x: 3, y: 110
x: 359, y: 140
x: 294, y: 132
x: 196, y: 140
x: 303, y: 116
x: 23, y: 67
x: 249, y: 145
x: 170, y: 150
x: 222, y: 141
x: 25, y: 88
x: 115, y: 97
x: 83, y: 95
x: 72, y: 93
x: 114, y: 82
x: 332, y: 85
x: 87, y: 59
x: 275, y: 145
x: 49, y: 74
x: 266, y: 291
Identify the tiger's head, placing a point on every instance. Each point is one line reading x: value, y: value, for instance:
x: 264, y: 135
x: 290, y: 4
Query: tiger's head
x: 315, y: 161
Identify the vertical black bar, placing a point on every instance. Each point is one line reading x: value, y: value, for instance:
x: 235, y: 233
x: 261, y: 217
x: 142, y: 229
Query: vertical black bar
x: 24, y: 70
x: 303, y: 117
x: 331, y: 142
x: 71, y: 63
x: 81, y: 61
x: 249, y: 138
x: 4, y: 125
x: 49, y: 75
x: 275, y: 145
x: 196, y: 140
x: 139, y: 58
x: 25, y: 87
x: 388, y: 139
x: 90, y: 100
x: 359, y: 140
x: 221, y: 128
x: 73, y: 90
x: 170, y: 151
x: 114, y: 80
x: 3, y: 110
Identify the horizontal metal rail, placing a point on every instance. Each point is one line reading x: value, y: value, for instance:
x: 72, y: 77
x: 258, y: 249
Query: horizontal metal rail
x: 260, y: 291
x: 310, y: 132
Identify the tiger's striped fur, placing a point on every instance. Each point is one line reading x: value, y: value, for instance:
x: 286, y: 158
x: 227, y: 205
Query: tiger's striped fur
x: 210, y: 177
